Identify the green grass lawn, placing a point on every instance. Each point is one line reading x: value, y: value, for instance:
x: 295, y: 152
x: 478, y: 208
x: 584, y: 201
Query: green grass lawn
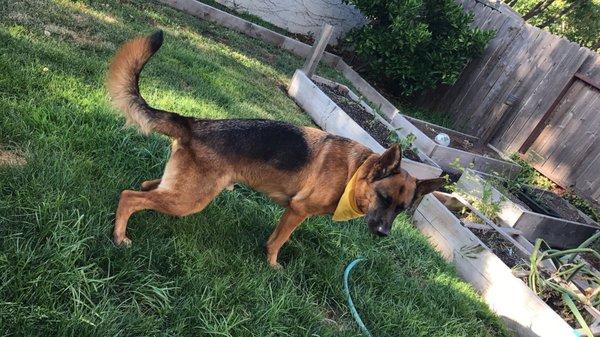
x: 60, y: 274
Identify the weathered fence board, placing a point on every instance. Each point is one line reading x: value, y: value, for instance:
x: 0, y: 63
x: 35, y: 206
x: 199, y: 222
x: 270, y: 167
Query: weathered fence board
x: 528, y: 91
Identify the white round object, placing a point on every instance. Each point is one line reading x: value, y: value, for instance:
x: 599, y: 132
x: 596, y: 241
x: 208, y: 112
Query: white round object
x: 442, y: 139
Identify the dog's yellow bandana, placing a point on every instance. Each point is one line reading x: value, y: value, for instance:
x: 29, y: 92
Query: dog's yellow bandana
x: 346, y: 208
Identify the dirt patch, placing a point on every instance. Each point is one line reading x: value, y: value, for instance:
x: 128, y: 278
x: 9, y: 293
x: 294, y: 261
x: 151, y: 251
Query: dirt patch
x: 499, y: 246
x: 11, y: 158
x: 549, y: 203
x: 79, y: 38
x: 365, y: 119
x: 516, y: 200
x: 19, y: 17
x: 592, y: 260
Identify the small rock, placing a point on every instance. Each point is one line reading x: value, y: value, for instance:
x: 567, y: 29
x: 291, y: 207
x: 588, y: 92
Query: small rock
x: 47, y: 33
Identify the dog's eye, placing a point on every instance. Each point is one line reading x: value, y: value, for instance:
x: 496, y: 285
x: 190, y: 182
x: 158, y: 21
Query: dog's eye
x: 384, y: 198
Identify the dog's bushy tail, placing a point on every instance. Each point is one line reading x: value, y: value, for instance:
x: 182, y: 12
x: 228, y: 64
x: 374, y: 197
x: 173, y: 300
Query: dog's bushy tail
x: 122, y: 82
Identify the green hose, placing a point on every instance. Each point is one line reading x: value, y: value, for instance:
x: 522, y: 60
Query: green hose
x: 359, y: 321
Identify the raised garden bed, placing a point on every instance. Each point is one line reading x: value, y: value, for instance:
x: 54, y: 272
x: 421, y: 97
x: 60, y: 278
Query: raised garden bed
x: 484, y: 254
x: 458, y: 140
x: 569, y: 229
x: 464, y: 149
x: 367, y: 119
x: 331, y: 118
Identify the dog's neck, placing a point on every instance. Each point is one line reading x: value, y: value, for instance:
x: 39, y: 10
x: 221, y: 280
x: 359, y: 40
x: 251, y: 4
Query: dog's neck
x: 365, y: 163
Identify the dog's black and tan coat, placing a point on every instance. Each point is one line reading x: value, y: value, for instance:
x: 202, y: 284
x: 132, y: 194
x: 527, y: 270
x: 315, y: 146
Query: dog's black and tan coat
x: 303, y: 169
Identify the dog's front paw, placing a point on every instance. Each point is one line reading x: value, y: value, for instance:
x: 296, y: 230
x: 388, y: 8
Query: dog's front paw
x: 123, y: 242
x: 276, y: 266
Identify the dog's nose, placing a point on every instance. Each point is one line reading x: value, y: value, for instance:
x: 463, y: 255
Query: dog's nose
x: 381, y: 231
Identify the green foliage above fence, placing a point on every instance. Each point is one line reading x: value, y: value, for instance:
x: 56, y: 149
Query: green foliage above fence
x: 412, y: 45
x: 577, y: 20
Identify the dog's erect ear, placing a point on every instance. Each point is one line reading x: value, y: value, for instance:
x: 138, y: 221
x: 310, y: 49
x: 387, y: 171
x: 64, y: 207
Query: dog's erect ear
x: 428, y: 186
x: 388, y: 163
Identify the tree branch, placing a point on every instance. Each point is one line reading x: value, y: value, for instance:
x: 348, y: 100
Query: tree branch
x: 537, y: 9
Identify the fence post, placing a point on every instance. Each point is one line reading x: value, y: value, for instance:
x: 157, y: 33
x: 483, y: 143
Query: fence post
x: 317, y: 50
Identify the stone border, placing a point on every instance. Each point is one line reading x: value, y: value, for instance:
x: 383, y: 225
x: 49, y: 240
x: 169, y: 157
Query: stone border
x: 555, y: 231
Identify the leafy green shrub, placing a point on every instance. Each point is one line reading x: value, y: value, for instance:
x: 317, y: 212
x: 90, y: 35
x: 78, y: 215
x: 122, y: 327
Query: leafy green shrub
x: 412, y: 45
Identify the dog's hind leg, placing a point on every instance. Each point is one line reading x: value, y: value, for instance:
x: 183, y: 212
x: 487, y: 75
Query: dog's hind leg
x: 149, y: 185
x: 287, y: 224
x: 186, y: 187
x: 175, y: 203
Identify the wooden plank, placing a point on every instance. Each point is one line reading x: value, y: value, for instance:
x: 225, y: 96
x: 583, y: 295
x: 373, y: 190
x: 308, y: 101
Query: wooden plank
x: 558, y: 233
x: 370, y: 93
x: 507, y: 230
x: 487, y: 76
x: 502, y: 96
x: 588, y: 181
x: 484, y: 92
x: 570, y: 153
x: 520, y: 249
x: 537, y: 102
x: 539, y: 128
x: 423, y: 124
x: 567, y: 127
x: 559, y: 119
x: 509, y: 87
x: 509, y: 32
x: 471, y: 183
x: 449, y: 102
x: 591, y: 67
x: 449, y: 92
x: 556, y: 78
x: 448, y: 158
x: 317, y: 50
x: 522, y: 311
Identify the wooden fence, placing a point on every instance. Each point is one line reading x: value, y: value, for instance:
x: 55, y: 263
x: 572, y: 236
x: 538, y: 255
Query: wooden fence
x: 531, y: 92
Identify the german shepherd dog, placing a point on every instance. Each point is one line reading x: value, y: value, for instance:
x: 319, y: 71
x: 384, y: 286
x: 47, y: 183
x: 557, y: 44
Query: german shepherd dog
x: 303, y: 169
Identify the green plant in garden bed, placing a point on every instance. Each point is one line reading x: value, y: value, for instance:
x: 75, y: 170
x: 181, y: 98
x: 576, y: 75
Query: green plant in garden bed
x: 413, y: 45
x: 543, y: 282
x: 485, y: 204
x: 60, y: 274
x: 406, y: 143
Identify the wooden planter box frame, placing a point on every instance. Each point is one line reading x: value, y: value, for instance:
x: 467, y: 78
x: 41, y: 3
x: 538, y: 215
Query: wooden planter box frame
x: 331, y: 118
x: 445, y: 157
x: 556, y: 232
x: 519, y: 307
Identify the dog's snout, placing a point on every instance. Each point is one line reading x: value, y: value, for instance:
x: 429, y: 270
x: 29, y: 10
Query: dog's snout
x: 382, y: 231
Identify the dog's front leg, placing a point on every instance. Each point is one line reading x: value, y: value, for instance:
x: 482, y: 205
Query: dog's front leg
x: 288, y: 222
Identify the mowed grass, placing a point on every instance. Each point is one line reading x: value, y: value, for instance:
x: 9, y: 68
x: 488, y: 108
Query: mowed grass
x: 206, y: 274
